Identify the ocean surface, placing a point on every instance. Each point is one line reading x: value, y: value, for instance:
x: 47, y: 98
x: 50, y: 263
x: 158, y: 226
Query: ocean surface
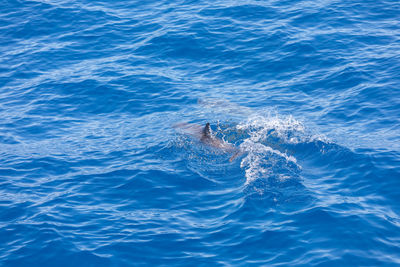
x: 96, y: 168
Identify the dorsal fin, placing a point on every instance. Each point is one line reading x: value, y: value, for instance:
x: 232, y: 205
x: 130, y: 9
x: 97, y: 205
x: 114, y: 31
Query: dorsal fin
x: 207, y: 130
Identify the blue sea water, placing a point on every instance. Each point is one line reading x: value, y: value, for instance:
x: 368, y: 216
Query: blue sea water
x: 94, y: 171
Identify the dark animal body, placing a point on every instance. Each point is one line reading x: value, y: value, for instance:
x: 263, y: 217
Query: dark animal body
x: 205, y: 135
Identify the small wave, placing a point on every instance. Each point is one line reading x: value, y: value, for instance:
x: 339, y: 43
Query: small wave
x: 262, y: 160
x: 286, y: 128
x: 264, y: 147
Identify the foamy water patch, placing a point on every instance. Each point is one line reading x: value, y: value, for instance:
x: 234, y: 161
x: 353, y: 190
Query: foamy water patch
x: 286, y: 128
x: 266, y: 157
x: 263, y: 161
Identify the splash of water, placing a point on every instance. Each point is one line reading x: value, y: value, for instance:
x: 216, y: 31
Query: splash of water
x: 265, y: 157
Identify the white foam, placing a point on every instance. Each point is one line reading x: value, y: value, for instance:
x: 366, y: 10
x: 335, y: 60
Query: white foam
x: 261, y: 159
x: 284, y: 127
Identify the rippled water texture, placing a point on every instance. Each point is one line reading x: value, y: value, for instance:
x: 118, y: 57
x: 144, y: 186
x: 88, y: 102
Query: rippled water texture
x: 96, y: 168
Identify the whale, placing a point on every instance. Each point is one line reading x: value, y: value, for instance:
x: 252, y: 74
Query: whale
x: 207, y: 137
